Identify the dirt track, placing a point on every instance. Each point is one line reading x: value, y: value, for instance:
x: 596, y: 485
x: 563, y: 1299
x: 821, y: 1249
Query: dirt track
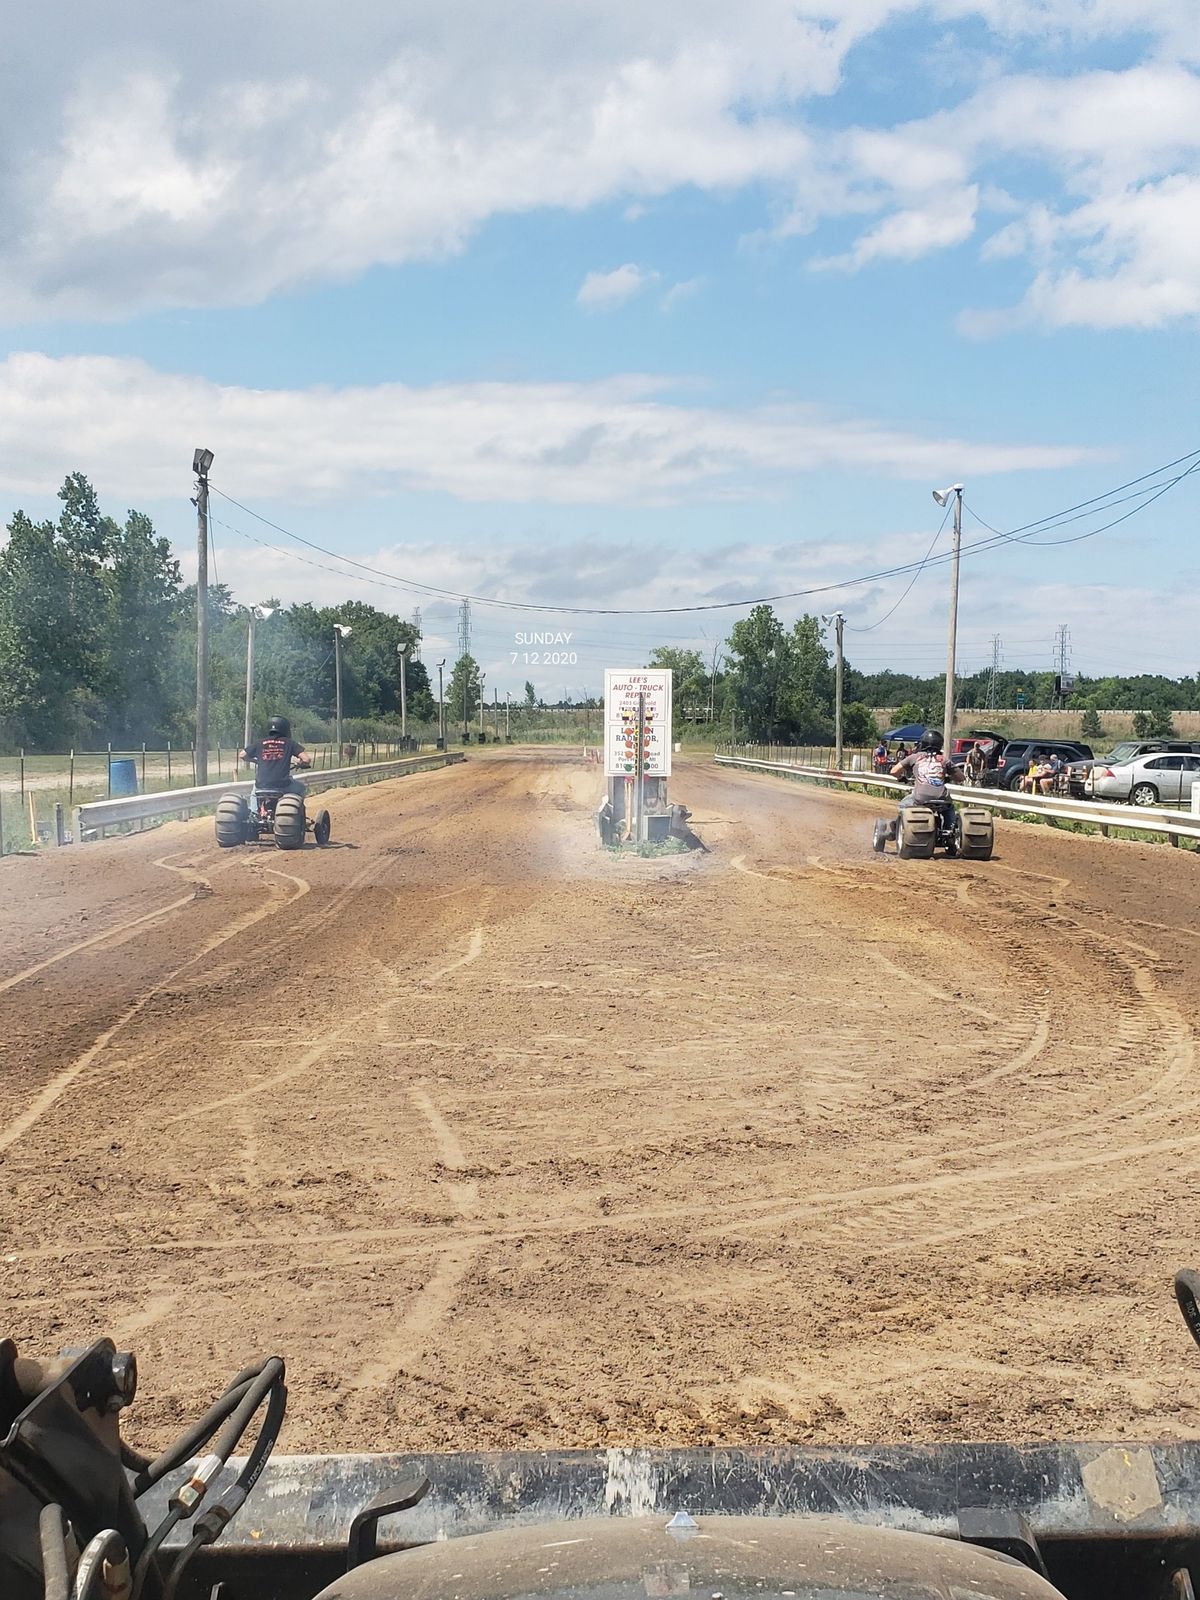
x: 506, y: 1142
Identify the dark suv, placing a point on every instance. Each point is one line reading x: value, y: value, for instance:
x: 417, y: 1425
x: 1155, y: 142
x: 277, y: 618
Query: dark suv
x: 1017, y: 754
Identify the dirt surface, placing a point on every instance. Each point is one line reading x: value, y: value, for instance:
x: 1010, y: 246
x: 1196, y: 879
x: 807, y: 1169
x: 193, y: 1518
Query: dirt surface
x: 506, y: 1141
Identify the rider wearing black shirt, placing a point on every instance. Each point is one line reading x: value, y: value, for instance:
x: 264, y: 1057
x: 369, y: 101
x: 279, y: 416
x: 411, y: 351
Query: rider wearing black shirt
x: 273, y: 756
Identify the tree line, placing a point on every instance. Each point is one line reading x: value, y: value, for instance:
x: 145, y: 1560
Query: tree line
x: 774, y: 684
x: 98, y: 643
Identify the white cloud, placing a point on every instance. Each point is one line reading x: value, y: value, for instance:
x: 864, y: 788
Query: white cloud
x: 603, y: 291
x: 679, y: 292
x: 240, y: 151
x: 619, y: 440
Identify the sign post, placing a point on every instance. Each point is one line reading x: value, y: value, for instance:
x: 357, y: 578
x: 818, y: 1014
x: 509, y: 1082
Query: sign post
x: 637, y: 744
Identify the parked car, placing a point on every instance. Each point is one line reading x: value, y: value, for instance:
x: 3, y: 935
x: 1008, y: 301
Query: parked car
x: 976, y: 736
x: 1162, y: 778
x: 1129, y: 750
x: 1017, y: 754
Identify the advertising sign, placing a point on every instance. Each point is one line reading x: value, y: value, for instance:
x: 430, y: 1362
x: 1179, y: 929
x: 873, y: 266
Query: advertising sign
x: 622, y: 686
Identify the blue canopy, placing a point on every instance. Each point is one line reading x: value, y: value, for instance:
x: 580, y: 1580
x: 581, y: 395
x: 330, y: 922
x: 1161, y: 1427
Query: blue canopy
x: 909, y: 733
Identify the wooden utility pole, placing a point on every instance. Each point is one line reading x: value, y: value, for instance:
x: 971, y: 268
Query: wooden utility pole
x: 201, y: 461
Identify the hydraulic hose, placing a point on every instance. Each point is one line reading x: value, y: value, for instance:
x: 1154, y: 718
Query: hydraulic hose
x: 193, y: 1439
x: 53, y: 1539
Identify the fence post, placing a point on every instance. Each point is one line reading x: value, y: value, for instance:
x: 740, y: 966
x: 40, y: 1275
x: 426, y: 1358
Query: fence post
x: 22, y: 777
x: 168, y: 763
x: 1, y: 819
x: 60, y: 832
x: 218, y: 760
x: 110, y: 769
x: 143, y: 766
x: 193, y: 763
x: 71, y: 784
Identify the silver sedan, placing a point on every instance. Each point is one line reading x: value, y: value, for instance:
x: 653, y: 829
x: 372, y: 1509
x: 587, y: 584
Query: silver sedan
x: 1149, y: 781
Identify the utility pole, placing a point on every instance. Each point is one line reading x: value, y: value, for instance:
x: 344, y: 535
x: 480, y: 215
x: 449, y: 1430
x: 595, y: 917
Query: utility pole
x: 340, y: 632
x: 250, y: 617
x: 441, y: 708
x: 402, y: 652
x: 496, y: 713
x: 416, y: 620
x: 507, y: 713
x: 481, y: 682
x: 993, y: 688
x: 202, y: 460
x: 839, y: 623
x: 942, y: 497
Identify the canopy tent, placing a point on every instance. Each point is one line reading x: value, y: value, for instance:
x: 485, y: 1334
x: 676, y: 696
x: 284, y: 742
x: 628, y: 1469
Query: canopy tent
x: 910, y: 733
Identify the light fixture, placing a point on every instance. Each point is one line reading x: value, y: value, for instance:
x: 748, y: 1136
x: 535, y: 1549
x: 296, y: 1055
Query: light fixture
x: 201, y: 461
x: 343, y: 628
x: 942, y: 496
x: 263, y: 612
x: 402, y: 649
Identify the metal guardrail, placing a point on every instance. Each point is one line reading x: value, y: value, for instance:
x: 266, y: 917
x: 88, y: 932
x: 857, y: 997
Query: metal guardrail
x: 92, y: 819
x: 1102, y: 814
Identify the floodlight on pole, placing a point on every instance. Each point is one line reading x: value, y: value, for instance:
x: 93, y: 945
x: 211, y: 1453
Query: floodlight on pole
x: 202, y: 460
x: 341, y: 630
x: 402, y: 652
x: 942, y: 496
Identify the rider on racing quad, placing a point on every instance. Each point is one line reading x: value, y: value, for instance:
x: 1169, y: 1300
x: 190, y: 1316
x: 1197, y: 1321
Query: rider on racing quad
x: 273, y: 757
x: 930, y: 773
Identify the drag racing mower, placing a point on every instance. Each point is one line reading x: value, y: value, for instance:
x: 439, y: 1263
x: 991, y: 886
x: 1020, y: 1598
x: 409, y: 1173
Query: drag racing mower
x: 84, y: 1516
x: 280, y: 816
x: 918, y: 830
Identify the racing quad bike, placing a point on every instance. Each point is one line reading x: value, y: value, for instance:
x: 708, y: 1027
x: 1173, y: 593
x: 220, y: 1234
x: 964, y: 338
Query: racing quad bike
x: 919, y: 830
x: 280, y: 816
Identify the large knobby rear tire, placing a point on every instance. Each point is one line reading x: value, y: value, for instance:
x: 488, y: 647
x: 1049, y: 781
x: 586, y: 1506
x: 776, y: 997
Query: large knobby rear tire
x: 233, y: 821
x: 976, y: 834
x: 289, y: 822
x: 916, y: 833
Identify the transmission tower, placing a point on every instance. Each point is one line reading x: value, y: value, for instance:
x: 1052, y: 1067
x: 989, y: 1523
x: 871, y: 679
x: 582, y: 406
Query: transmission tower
x: 1062, y: 659
x: 997, y: 657
x: 464, y: 628
x: 416, y: 622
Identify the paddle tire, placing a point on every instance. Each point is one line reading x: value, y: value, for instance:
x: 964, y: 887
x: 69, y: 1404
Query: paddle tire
x: 233, y: 821
x: 916, y: 833
x: 321, y: 828
x: 289, y: 822
x: 976, y: 834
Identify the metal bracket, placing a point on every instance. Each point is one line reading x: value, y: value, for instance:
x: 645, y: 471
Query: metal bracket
x: 1006, y: 1532
x: 360, y: 1546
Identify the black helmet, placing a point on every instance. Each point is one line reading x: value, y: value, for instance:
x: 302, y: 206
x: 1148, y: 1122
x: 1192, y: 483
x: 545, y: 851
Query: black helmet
x: 280, y: 727
x: 931, y: 739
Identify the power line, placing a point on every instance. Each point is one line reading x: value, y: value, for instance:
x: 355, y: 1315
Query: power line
x: 1054, y: 519
x: 912, y: 581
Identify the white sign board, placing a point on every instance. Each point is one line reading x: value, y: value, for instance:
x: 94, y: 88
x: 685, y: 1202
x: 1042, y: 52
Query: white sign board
x: 622, y: 686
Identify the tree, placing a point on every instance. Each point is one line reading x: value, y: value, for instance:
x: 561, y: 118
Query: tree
x: 858, y: 724
x: 1089, y: 724
x: 462, y: 699
x: 809, y: 701
x: 1153, y: 724
x: 760, y: 653
x: 689, y: 682
x: 530, y: 694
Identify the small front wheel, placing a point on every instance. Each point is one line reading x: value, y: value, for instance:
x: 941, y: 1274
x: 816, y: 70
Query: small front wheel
x: 1144, y: 794
x: 321, y: 828
x: 879, y: 837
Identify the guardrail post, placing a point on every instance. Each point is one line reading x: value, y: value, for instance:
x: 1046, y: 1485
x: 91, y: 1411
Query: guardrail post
x: 60, y: 832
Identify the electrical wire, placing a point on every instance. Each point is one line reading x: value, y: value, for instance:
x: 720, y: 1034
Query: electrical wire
x: 911, y: 582
x: 976, y: 547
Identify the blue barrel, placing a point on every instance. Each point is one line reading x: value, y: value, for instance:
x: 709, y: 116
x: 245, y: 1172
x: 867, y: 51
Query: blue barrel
x: 124, y: 778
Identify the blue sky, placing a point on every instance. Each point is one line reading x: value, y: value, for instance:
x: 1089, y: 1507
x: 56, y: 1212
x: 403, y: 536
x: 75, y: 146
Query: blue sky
x: 608, y: 305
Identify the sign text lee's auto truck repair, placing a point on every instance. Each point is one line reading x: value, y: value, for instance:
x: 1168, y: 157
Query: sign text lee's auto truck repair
x: 622, y: 686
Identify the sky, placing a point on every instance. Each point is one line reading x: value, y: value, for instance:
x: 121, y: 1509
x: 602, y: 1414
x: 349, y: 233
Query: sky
x: 610, y: 306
